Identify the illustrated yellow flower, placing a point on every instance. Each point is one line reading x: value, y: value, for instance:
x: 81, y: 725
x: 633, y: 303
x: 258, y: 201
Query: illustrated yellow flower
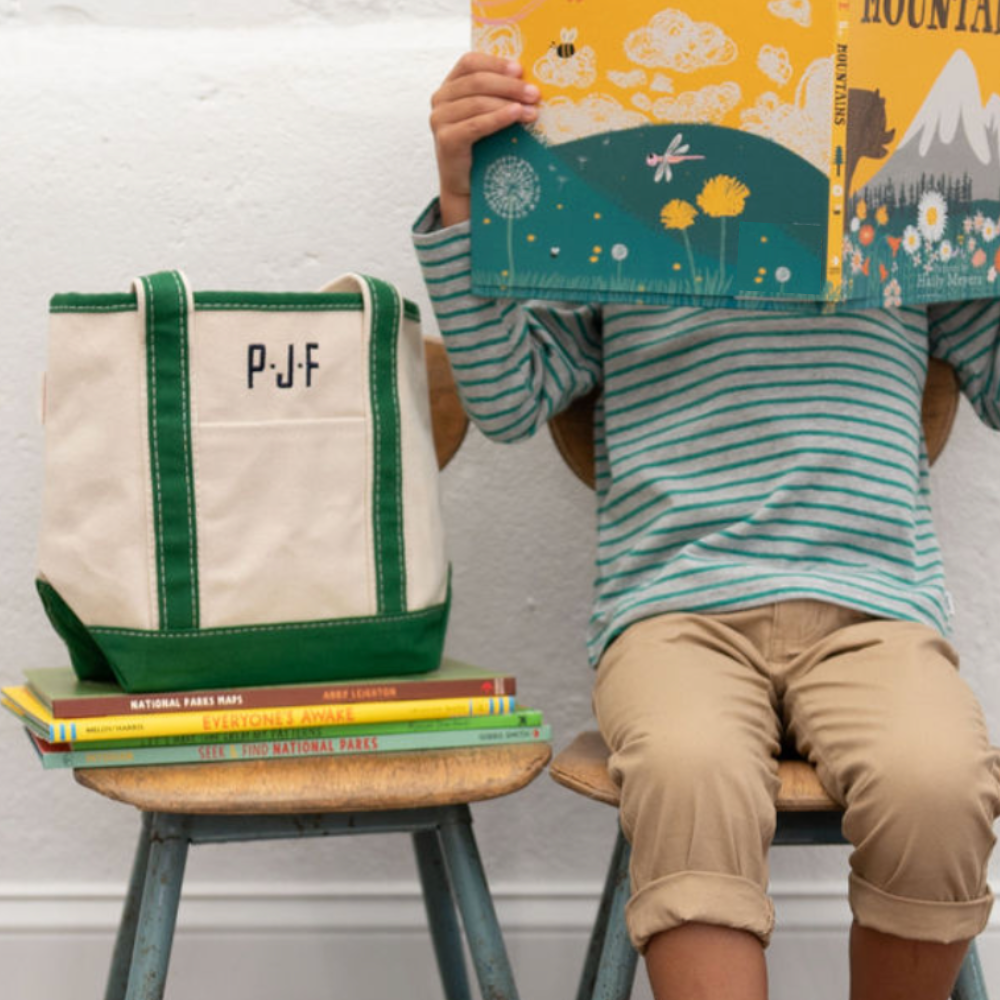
x: 678, y: 214
x: 882, y: 215
x: 723, y: 196
x: 861, y: 211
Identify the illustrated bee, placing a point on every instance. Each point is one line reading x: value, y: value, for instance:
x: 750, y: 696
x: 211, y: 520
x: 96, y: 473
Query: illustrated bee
x: 566, y: 47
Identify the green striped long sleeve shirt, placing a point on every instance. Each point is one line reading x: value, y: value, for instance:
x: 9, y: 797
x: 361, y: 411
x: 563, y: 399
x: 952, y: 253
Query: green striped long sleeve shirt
x: 742, y: 457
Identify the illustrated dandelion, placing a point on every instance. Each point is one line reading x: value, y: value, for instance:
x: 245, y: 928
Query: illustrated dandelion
x: 932, y: 216
x: 782, y: 276
x: 723, y: 197
x: 512, y: 190
x: 680, y: 215
x: 619, y: 252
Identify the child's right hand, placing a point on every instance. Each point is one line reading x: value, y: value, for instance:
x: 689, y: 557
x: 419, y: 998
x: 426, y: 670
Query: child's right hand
x: 480, y: 96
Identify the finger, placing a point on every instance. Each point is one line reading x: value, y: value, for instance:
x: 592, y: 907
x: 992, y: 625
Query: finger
x: 465, y: 108
x: 487, y: 85
x: 456, y: 138
x: 481, y: 62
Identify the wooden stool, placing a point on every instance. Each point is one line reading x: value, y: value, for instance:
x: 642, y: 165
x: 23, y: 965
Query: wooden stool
x: 806, y: 815
x: 424, y: 793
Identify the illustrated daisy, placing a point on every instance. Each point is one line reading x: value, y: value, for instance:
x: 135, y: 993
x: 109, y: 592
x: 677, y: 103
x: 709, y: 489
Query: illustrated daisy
x: 946, y: 251
x: 932, y: 216
x: 989, y: 231
x: 892, y: 295
x: 911, y: 240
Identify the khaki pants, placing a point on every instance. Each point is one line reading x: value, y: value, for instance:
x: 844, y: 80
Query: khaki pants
x: 694, y: 708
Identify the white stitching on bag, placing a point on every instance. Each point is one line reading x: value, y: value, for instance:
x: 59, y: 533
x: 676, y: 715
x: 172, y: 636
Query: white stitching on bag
x: 188, y: 455
x: 154, y: 450
x: 296, y: 626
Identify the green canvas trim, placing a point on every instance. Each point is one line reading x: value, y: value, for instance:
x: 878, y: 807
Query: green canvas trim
x: 89, y: 662
x: 75, y: 302
x: 168, y: 391
x: 379, y: 646
x: 387, y: 487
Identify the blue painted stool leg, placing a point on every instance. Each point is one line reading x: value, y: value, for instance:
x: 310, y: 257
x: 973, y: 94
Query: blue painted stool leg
x: 161, y: 895
x: 618, y: 961
x: 441, y: 917
x: 482, y: 931
x: 121, y: 959
x: 617, y: 871
x: 970, y: 985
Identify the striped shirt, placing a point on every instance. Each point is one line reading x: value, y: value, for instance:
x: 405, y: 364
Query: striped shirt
x: 742, y: 457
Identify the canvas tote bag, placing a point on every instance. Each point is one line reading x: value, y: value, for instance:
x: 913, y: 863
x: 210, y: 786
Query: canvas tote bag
x: 241, y: 488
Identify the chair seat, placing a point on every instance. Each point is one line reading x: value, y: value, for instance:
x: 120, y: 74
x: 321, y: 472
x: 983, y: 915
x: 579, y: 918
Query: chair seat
x: 348, y: 783
x: 583, y: 767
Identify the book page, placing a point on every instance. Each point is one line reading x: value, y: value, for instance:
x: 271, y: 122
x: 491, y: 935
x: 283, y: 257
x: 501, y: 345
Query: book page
x: 682, y: 151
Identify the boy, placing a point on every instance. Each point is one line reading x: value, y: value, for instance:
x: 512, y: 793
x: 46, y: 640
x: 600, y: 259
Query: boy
x: 766, y: 564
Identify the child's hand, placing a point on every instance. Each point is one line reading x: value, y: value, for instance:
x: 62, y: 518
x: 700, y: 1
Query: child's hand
x: 480, y: 96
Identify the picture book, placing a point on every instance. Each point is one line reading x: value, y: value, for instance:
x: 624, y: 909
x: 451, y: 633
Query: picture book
x: 111, y: 727
x: 66, y: 696
x: 63, y: 755
x: 764, y: 153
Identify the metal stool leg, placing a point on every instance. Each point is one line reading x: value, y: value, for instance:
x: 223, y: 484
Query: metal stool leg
x: 154, y: 934
x: 441, y: 916
x: 618, y: 959
x: 121, y: 958
x: 472, y: 893
x: 617, y: 873
x: 970, y: 984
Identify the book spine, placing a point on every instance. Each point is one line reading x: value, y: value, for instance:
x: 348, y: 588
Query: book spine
x: 128, y: 756
x: 838, y: 155
x: 278, y: 697
x: 522, y: 717
x: 297, y: 717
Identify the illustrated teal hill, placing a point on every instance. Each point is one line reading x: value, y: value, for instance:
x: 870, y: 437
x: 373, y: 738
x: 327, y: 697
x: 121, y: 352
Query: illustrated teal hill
x: 731, y: 214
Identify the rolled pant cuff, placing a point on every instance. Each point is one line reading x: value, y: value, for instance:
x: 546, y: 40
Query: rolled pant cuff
x: 917, y: 919
x: 702, y: 897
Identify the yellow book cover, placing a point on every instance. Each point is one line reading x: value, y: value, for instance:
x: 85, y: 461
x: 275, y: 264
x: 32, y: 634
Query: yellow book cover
x: 133, y: 727
x: 758, y: 153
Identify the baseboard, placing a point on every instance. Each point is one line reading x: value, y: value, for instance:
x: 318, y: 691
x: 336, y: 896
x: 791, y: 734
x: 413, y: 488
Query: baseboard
x: 360, y: 940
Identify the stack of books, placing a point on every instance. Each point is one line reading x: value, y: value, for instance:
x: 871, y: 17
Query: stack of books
x: 73, y: 723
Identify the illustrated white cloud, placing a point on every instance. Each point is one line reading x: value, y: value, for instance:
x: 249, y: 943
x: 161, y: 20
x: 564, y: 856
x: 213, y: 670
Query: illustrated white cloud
x: 775, y: 63
x: 503, y: 40
x: 804, y: 125
x: 672, y: 40
x: 662, y: 84
x: 577, y: 70
x: 634, y: 78
x: 799, y: 11
x: 709, y: 104
x: 562, y: 119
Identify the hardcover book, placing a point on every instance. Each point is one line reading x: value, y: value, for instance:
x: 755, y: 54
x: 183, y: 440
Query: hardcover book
x: 67, y: 697
x: 64, y: 755
x: 760, y: 153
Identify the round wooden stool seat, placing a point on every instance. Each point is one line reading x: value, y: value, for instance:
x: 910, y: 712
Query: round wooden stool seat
x: 583, y: 767
x: 365, y: 782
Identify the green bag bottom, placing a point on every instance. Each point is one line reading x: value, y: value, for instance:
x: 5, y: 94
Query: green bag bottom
x: 286, y: 653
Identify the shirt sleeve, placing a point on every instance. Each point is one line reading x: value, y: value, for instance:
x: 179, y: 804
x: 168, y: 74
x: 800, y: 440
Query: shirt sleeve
x: 516, y: 363
x: 967, y: 336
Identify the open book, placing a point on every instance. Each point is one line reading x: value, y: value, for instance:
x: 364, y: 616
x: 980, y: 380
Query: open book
x: 754, y: 152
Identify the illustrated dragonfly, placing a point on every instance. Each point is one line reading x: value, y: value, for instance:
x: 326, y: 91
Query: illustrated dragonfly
x: 676, y: 152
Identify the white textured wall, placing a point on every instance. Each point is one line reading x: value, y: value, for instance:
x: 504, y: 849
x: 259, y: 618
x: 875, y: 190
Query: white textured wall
x: 274, y: 145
